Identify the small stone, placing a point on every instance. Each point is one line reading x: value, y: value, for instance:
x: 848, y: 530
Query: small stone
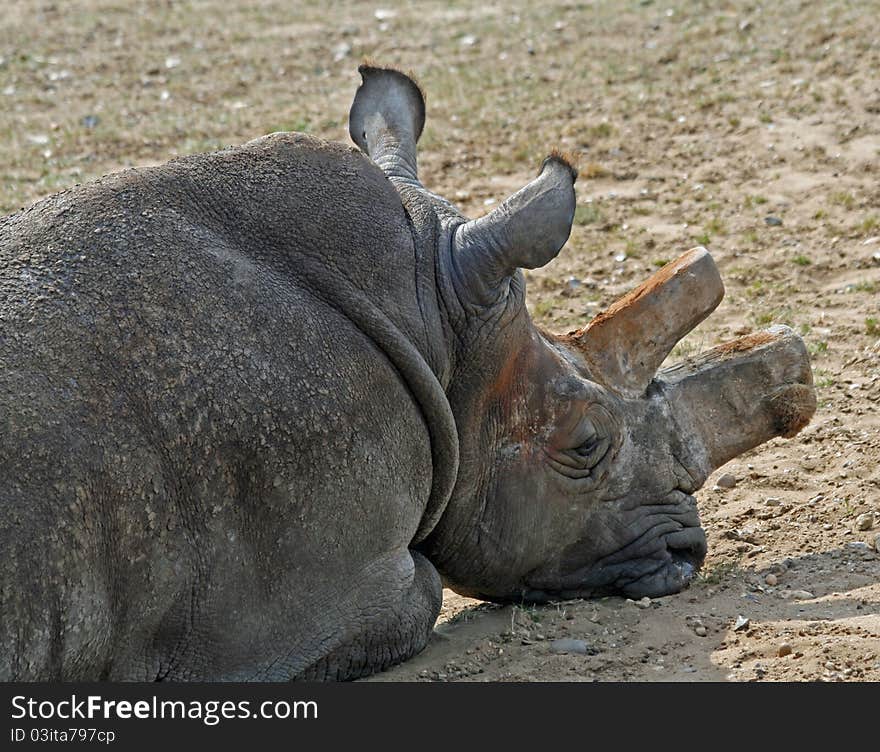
x: 801, y: 595
x: 865, y: 521
x: 877, y: 543
x: 644, y: 602
x: 90, y: 121
x: 341, y: 51
x: 468, y: 40
x: 772, y: 580
x: 728, y: 480
x: 741, y: 623
x: 772, y: 501
x: 172, y: 62
x: 569, y: 645
x: 772, y: 221
x: 783, y: 650
x: 700, y: 630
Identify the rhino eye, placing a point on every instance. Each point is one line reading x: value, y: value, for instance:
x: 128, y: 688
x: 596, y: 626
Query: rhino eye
x: 592, y: 451
x: 579, y: 461
x: 587, y: 453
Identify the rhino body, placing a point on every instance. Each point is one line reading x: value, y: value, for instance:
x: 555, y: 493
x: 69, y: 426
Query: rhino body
x: 255, y: 403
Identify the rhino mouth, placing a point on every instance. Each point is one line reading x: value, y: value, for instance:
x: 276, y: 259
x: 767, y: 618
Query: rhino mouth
x: 684, y: 555
x: 661, y: 560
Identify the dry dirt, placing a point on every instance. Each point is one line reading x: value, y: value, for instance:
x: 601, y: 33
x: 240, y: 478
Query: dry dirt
x: 751, y: 129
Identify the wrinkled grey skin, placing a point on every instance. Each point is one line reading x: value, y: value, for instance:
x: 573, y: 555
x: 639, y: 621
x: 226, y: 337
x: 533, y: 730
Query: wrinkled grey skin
x: 253, y: 402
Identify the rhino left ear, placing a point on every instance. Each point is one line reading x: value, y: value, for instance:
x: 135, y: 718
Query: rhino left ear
x: 526, y: 231
x: 386, y: 119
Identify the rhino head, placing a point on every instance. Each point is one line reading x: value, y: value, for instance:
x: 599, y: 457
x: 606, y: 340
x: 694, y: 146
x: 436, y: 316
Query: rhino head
x: 579, y: 457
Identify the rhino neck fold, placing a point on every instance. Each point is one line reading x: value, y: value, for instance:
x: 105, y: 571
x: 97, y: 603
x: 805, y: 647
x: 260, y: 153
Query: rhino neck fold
x: 415, y: 343
x: 422, y: 383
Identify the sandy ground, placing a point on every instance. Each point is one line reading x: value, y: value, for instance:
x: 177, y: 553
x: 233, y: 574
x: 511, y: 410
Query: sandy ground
x: 751, y: 130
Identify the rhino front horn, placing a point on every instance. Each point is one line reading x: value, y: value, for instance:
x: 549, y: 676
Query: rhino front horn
x: 386, y: 119
x: 526, y: 231
x: 625, y: 345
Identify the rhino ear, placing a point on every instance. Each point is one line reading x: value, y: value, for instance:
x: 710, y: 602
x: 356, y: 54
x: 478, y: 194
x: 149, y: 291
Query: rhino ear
x: 386, y: 119
x: 526, y: 231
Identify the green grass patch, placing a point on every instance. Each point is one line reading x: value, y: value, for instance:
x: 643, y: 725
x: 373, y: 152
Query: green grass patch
x: 869, y: 224
x: 843, y: 198
x: 587, y: 214
x: 723, y: 571
x: 773, y: 316
x: 869, y: 287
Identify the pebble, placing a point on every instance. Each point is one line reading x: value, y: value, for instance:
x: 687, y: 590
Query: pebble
x: 784, y: 650
x: 741, y: 623
x: 772, y: 580
x: 772, y: 221
x: 569, y: 645
x: 728, y: 480
x: 700, y: 630
x: 865, y: 521
x: 801, y: 595
x: 644, y: 602
x: 877, y: 543
x: 341, y: 51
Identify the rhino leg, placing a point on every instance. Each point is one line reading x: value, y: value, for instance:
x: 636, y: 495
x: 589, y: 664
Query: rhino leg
x: 387, y: 631
x: 382, y: 615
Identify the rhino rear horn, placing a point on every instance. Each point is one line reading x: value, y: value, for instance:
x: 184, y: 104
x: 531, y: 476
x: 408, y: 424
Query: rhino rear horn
x: 625, y: 345
x: 386, y: 119
x: 526, y: 231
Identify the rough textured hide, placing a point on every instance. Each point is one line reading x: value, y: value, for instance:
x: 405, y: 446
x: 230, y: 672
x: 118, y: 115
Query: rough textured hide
x: 255, y: 404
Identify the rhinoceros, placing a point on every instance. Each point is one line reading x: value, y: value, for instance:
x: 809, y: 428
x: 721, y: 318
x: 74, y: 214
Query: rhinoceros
x: 259, y: 406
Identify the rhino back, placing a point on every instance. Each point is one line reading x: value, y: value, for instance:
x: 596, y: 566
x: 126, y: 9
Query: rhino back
x: 185, y: 402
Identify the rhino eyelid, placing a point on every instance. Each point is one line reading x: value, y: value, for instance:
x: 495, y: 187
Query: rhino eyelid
x: 580, y: 461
